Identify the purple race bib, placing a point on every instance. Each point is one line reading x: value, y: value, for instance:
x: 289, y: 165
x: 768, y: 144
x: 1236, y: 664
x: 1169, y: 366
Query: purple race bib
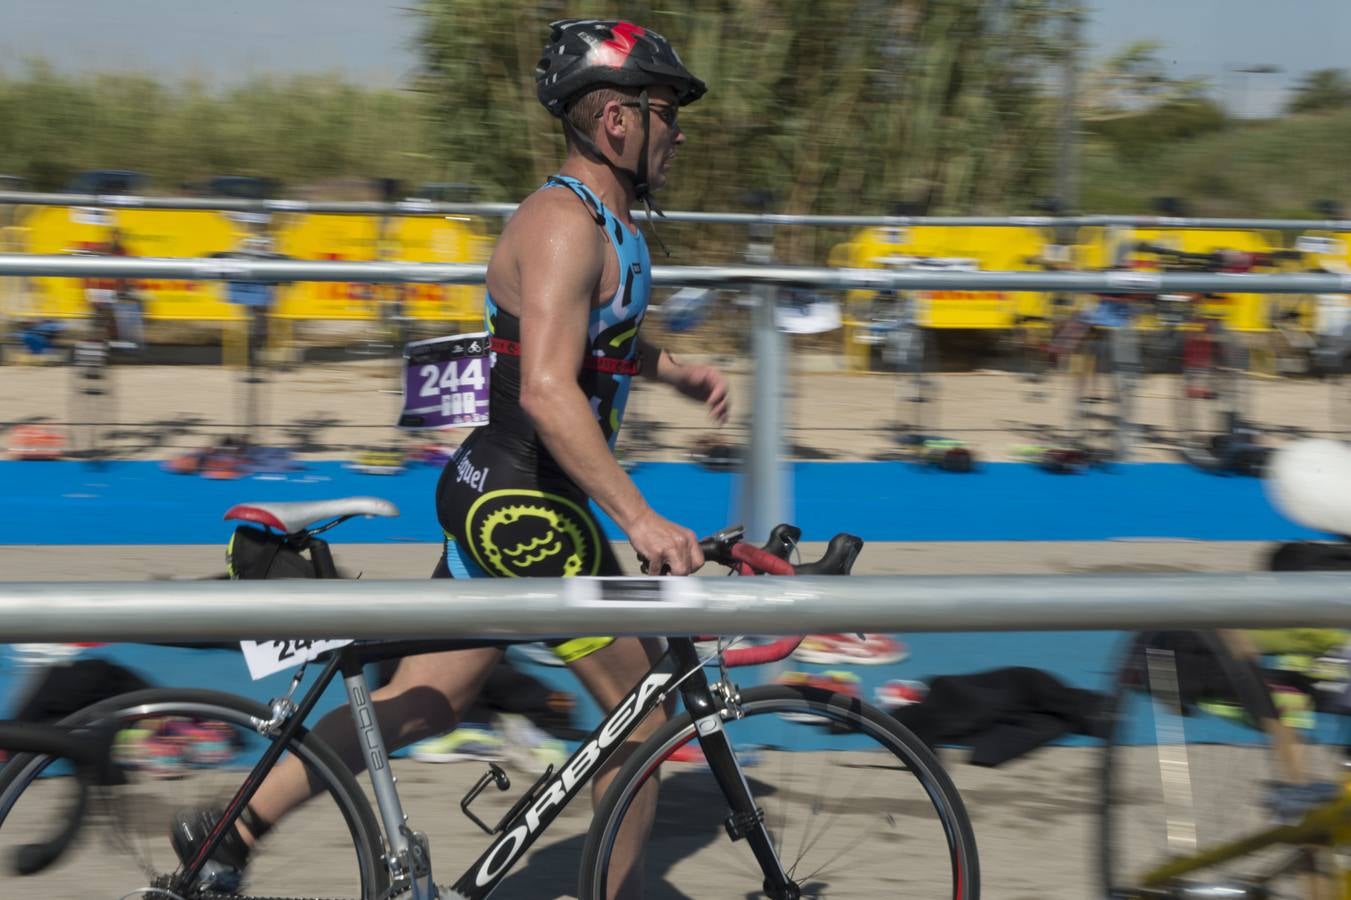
x: 445, y: 382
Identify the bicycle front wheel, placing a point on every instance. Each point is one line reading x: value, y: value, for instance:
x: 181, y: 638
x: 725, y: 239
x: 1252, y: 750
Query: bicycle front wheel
x: 856, y: 807
x: 187, y: 749
x: 1195, y: 752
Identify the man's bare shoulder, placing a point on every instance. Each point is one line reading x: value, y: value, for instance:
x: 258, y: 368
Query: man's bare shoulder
x: 556, y: 212
x: 551, y: 236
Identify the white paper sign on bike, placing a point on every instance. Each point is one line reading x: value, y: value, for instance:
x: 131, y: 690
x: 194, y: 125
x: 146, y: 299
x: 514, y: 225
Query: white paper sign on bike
x: 265, y: 658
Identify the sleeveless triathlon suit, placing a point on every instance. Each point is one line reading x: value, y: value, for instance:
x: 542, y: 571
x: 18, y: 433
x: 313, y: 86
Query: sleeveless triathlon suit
x: 507, y: 508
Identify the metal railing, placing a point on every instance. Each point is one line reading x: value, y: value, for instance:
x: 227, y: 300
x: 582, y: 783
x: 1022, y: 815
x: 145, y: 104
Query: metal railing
x: 821, y: 278
x: 765, y: 497
x: 538, y: 608
x: 416, y: 207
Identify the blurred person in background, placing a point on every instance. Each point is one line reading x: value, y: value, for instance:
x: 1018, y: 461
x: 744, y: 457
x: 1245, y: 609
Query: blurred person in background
x: 568, y: 287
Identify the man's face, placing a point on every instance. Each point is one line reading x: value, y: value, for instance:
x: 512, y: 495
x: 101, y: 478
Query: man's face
x: 664, y: 134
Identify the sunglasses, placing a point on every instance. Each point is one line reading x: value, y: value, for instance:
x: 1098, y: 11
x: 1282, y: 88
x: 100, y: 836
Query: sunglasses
x: 667, y: 112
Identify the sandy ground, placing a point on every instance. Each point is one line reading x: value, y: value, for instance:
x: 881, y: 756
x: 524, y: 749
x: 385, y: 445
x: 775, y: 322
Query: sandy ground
x: 1034, y: 818
x: 330, y: 410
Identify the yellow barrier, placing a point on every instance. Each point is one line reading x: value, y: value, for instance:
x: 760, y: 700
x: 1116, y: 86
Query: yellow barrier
x: 1008, y: 248
x: 1240, y: 312
x: 954, y: 248
x: 170, y: 233
x: 161, y: 233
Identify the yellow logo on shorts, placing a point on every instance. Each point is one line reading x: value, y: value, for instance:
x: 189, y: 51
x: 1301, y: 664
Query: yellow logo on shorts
x: 521, y: 532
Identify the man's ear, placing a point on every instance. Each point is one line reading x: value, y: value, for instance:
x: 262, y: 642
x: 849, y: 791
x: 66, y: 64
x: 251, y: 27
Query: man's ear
x: 612, y: 119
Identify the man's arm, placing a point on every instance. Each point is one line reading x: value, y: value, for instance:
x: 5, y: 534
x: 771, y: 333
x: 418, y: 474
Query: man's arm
x: 559, y: 273
x: 699, y: 382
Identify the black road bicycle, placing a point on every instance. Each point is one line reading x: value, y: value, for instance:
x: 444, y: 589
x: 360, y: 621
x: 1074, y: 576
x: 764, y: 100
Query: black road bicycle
x: 780, y: 791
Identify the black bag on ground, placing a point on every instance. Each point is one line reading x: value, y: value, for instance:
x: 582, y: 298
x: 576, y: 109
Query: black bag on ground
x: 255, y: 553
x: 1310, y: 556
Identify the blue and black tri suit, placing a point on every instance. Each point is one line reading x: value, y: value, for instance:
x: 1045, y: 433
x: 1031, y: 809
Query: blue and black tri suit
x: 506, y: 506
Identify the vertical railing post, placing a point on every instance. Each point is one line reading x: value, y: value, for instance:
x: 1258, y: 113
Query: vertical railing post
x: 764, y: 491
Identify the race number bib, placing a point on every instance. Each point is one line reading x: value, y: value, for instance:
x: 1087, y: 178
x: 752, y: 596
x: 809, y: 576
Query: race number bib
x: 445, y: 382
x: 267, y: 657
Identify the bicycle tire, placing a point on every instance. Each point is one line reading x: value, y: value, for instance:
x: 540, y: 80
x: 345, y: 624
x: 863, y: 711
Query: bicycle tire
x: 302, y: 856
x: 834, y: 737
x: 1203, y: 780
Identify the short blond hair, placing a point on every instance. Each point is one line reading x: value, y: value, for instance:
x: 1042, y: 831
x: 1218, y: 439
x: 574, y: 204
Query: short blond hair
x: 583, y: 111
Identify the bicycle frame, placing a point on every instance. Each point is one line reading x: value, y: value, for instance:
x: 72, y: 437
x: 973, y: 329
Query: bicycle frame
x: 406, y: 855
x: 1325, y: 825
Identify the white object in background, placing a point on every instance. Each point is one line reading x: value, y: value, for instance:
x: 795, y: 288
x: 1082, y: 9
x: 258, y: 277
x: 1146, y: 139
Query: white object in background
x: 816, y: 316
x: 1309, y: 482
x: 686, y: 308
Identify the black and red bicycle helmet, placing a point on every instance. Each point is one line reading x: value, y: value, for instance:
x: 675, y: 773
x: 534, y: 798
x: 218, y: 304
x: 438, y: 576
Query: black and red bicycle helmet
x: 588, y: 53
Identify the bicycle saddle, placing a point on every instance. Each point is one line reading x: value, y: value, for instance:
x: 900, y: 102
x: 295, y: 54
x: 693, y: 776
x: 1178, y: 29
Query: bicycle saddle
x: 1310, y: 483
x: 292, y: 517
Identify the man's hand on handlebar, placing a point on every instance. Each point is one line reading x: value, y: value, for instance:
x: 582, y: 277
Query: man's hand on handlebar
x: 664, y: 547
x: 727, y: 548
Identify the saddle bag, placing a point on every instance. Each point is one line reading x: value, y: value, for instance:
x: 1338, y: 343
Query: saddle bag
x: 255, y: 553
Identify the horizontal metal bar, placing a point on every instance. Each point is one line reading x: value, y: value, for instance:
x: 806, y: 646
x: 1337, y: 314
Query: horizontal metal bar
x: 1115, y: 282
x: 186, y: 269
x: 541, y: 608
x: 416, y: 207
x: 411, y: 207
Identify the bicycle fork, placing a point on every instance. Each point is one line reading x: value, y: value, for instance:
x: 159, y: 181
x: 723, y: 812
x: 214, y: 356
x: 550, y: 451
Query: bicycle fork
x: 746, y: 820
x: 408, y: 858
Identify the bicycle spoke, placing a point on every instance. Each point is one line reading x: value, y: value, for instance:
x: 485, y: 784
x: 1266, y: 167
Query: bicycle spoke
x: 836, y: 804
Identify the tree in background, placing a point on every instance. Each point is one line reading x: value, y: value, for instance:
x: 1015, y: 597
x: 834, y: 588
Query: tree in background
x: 298, y: 130
x: 834, y: 106
x: 1129, y: 101
x: 830, y: 106
x: 1320, y: 91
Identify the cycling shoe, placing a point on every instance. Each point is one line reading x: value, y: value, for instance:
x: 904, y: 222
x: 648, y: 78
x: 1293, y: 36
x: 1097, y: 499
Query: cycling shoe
x: 224, y: 871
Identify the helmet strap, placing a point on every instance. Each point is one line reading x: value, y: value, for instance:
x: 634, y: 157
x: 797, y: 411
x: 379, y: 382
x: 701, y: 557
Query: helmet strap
x: 653, y: 210
x: 638, y: 179
x: 640, y: 185
x: 641, y: 188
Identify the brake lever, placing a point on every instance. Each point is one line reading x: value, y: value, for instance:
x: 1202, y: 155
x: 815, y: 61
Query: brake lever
x: 643, y: 564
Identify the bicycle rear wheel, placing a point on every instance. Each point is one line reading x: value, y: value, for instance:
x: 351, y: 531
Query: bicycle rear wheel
x: 184, y: 749
x: 1194, y: 746
x: 856, y: 805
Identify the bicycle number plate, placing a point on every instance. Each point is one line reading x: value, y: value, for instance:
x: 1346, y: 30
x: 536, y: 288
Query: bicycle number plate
x: 445, y: 382
x: 265, y: 658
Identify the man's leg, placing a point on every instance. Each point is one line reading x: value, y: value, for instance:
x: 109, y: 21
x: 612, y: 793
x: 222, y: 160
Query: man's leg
x: 610, y: 674
x: 427, y: 696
